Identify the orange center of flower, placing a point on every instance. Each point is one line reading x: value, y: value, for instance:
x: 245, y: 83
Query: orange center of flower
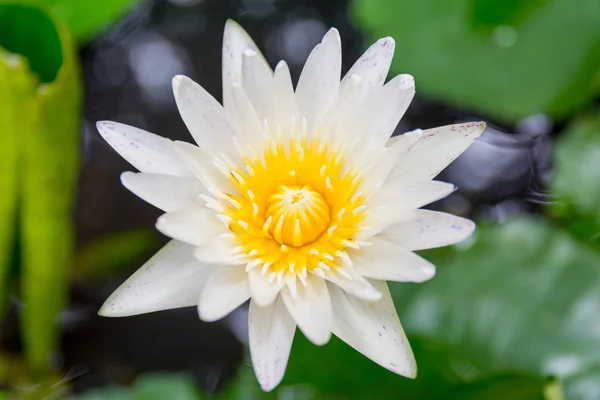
x: 296, y: 209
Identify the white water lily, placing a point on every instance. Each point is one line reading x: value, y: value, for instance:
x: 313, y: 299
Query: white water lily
x: 298, y: 201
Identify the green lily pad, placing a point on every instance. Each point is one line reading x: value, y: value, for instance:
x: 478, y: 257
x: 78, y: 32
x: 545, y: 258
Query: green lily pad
x: 576, y: 186
x: 40, y: 123
x: 148, y: 387
x: 506, y: 58
x: 521, y: 297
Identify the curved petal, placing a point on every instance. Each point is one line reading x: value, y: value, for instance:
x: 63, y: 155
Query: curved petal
x: 235, y: 42
x: 167, y: 192
x: 319, y: 83
x: 379, y: 164
x: 226, y: 289
x: 355, y: 285
x: 409, y: 195
x: 257, y: 82
x: 195, y: 225
x: 201, y: 165
x: 311, y: 309
x: 334, y: 127
x: 219, y: 251
x: 263, y: 291
x: 251, y: 130
x: 172, y: 278
x: 436, y: 149
x: 284, y: 110
x: 374, y: 65
x: 271, y: 333
x: 204, y: 117
x: 425, y: 229
x: 390, y: 262
x: 144, y: 150
x: 383, y: 110
x: 373, y: 329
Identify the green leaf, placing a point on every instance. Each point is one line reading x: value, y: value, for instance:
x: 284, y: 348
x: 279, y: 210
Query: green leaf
x: 165, y: 386
x: 148, y: 387
x: 506, y: 58
x: 42, y: 124
x: 576, y: 186
x: 110, y: 254
x: 84, y: 19
x: 523, y: 297
x: 338, y: 371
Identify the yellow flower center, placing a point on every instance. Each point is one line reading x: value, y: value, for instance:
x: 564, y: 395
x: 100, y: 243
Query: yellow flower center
x: 301, y: 215
x: 296, y: 209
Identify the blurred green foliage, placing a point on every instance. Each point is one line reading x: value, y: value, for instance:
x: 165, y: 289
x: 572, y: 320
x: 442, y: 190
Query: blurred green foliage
x: 576, y: 186
x: 148, y: 387
x: 42, y: 103
x: 505, y: 58
x: 111, y: 254
x: 40, y: 89
x: 84, y: 18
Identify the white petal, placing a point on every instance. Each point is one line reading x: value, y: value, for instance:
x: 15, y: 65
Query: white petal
x: 373, y: 329
x: 284, y: 110
x: 144, y: 150
x: 194, y: 225
x: 172, y: 278
x: 204, y: 117
x: 395, y: 199
x: 424, y: 229
x: 356, y: 285
x: 383, y: 110
x: 167, y: 192
x: 374, y: 64
x: 263, y: 291
x: 319, y: 84
x: 436, y: 149
x: 226, y: 289
x: 390, y: 262
x: 334, y: 128
x: 201, y: 164
x: 235, y: 42
x: 218, y: 251
x: 408, y: 195
x: 247, y: 122
x: 257, y: 81
x: 378, y: 165
x: 271, y: 333
x: 311, y: 309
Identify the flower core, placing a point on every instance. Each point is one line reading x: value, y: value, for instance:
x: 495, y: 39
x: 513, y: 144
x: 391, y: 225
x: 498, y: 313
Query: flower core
x: 296, y: 210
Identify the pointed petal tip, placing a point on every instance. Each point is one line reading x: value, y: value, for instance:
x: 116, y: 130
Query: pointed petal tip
x: 320, y: 340
x: 332, y: 34
x: 179, y: 80
x: 387, y: 41
x: 105, y: 127
x: 125, y: 177
x: 406, y: 81
x: 280, y: 65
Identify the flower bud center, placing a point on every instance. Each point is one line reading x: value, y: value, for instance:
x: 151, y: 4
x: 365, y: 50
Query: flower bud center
x: 299, y: 215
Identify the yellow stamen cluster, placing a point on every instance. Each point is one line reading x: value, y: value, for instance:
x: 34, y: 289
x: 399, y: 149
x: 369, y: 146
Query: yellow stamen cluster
x: 295, y: 211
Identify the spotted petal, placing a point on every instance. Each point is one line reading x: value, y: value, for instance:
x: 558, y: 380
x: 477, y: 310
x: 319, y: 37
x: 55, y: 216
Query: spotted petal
x: 425, y: 229
x: 437, y: 148
x: 271, y: 333
x: 373, y: 329
x: 170, y: 279
x: 144, y: 150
